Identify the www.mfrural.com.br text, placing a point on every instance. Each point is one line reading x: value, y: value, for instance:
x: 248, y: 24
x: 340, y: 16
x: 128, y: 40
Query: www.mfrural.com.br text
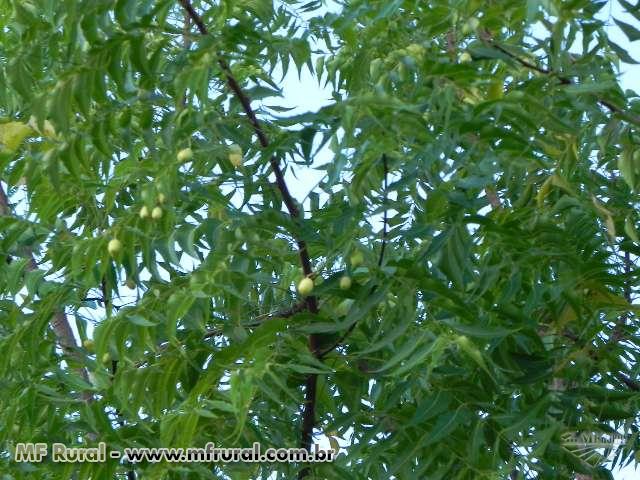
x: 58, y: 452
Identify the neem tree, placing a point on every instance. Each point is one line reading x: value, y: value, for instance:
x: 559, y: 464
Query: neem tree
x: 453, y: 299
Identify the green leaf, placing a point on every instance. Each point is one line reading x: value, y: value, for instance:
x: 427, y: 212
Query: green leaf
x: 402, y: 353
x: 622, y: 53
x: 592, y: 87
x: 141, y: 321
x: 630, y: 31
x: 478, y: 331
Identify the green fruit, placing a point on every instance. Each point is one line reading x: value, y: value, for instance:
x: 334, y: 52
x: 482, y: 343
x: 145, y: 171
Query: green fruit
x: 235, y: 159
x: 131, y: 285
x: 106, y: 357
x: 144, y: 212
x: 465, y: 57
x: 238, y: 234
x: 146, y: 195
x: 345, y: 283
x: 305, y: 287
x: 156, y: 213
x: 470, y: 25
x: 356, y: 259
x: 235, y: 155
x: 161, y: 198
x: 114, y: 246
x: 88, y: 344
x: 185, y: 155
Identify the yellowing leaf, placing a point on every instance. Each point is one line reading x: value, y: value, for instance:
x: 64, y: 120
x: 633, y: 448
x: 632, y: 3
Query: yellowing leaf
x: 600, y: 208
x: 611, y: 228
x: 48, y: 130
x: 12, y: 134
x: 544, y: 191
x: 560, y: 182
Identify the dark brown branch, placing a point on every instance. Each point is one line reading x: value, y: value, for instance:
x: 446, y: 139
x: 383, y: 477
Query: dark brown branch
x: 494, y: 201
x: 308, y: 418
x: 632, y: 384
x: 257, y: 321
x: 59, y: 323
x: 487, y: 37
x: 308, y: 413
x: 281, y: 183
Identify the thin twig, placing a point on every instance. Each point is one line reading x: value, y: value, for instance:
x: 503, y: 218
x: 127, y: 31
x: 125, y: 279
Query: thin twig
x: 342, y: 338
x: 385, y: 219
x: 257, y: 321
x: 281, y: 183
x: 563, y: 80
x: 494, y: 201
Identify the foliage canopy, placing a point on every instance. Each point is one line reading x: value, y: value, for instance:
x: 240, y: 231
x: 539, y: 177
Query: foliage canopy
x: 480, y: 193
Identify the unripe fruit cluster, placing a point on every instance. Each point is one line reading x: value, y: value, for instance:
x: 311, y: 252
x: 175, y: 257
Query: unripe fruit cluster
x: 156, y: 213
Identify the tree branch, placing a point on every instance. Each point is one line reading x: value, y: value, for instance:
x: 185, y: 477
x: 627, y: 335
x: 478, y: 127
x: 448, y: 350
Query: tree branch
x: 281, y: 183
x: 257, y: 321
x: 487, y: 37
x: 308, y: 413
x: 59, y: 323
